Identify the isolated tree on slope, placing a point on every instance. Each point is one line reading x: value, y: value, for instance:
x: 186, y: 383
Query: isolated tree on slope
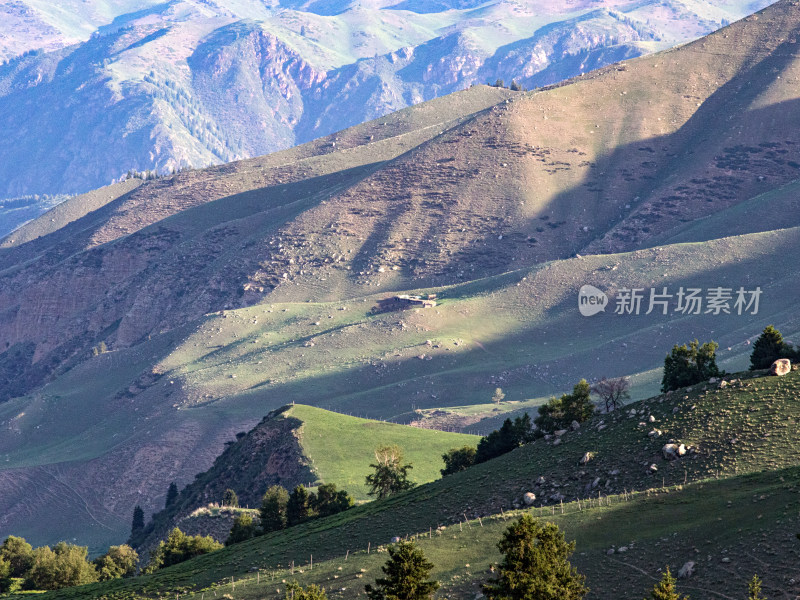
x: 535, y: 565
x: 137, y: 523
x: 498, y: 395
x: 754, y: 589
x: 613, y: 392
x: 768, y: 348
x: 665, y: 589
x: 230, y: 498
x: 405, y: 576
x: 172, y: 495
x: 390, y: 476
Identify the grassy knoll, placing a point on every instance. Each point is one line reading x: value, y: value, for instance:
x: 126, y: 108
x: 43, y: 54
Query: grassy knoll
x: 340, y: 447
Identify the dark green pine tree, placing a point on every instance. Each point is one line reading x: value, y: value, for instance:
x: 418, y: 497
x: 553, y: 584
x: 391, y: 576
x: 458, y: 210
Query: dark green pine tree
x: 172, y: 495
x: 298, y: 509
x: 138, y: 520
x: 665, y: 589
x: 273, y: 509
x: 768, y: 348
x: 405, y: 576
x: 535, y: 565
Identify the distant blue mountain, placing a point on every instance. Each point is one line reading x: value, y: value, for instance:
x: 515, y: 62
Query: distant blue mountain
x: 142, y: 84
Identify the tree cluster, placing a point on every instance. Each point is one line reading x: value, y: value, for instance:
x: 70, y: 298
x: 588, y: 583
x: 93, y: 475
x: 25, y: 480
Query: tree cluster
x: 559, y: 413
x: 689, y: 365
x: 458, y: 459
x: 179, y: 547
x: 64, y: 565
x: 280, y: 509
x: 511, y: 435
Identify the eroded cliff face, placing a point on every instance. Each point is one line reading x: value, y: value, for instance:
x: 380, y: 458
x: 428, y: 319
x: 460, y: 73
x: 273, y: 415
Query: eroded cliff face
x: 270, y: 454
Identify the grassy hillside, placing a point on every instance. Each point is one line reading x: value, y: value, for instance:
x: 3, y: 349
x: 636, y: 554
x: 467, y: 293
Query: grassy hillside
x: 228, y: 292
x: 184, y: 393
x: 731, y: 499
x: 302, y: 445
x: 340, y: 448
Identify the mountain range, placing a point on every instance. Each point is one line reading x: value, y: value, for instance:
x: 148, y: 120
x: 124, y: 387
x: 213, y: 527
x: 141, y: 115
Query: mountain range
x: 90, y: 91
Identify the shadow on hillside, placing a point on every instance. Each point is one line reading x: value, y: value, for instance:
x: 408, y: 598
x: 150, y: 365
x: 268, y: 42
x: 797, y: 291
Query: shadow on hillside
x: 745, y: 167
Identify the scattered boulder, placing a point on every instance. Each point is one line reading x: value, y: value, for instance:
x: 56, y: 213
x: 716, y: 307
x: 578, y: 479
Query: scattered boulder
x: 610, y: 551
x: 687, y: 570
x: 781, y: 367
x: 673, y: 451
x: 395, y: 539
x: 651, y: 419
x: 529, y: 498
x: 540, y: 480
x: 622, y: 549
x: 653, y: 468
x: 654, y: 433
x: 586, y: 458
x: 556, y: 441
x: 575, y: 426
x: 560, y: 432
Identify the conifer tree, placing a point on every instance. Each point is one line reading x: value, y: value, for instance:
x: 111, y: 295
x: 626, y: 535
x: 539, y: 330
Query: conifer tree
x: 273, y: 509
x: 172, y: 495
x: 298, y: 509
x: 768, y: 348
x: 665, y: 589
x: 754, y: 588
x: 405, y: 576
x: 137, y: 523
x: 535, y: 565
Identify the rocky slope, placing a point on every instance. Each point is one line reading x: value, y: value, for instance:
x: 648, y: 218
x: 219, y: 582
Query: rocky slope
x: 269, y: 454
